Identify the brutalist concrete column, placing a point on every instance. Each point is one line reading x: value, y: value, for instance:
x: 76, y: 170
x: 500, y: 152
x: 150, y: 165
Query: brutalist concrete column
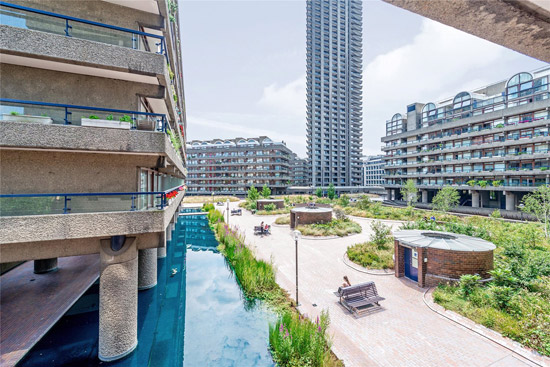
x: 510, y: 200
x: 169, y: 232
x: 475, y: 199
x: 424, y: 196
x: 118, y: 297
x: 161, y: 250
x: 45, y: 265
x: 388, y: 194
x: 147, y: 268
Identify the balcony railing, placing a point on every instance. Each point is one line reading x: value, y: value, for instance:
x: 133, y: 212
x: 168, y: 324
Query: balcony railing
x: 95, y: 202
x: 45, y: 21
x: 66, y: 114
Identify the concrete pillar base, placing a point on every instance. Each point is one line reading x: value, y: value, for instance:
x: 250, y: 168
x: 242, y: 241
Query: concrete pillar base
x: 118, y: 297
x: 161, y: 250
x: 425, y: 196
x: 169, y: 232
x: 510, y: 201
x: 45, y: 265
x: 147, y: 268
x: 475, y: 199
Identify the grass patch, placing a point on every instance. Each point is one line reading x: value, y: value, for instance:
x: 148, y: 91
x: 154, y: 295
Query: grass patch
x: 208, y: 199
x: 336, y: 227
x: 371, y: 255
x: 283, y: 220
x: 294, y: 340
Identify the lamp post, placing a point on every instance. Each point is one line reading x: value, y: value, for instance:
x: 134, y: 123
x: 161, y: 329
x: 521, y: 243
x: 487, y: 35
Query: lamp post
x: 297, y: 236
x: 227, y: 211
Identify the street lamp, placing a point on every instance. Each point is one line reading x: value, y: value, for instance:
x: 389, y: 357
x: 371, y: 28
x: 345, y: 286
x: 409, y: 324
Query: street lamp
x: 297, y: 234
x: 228, y: 211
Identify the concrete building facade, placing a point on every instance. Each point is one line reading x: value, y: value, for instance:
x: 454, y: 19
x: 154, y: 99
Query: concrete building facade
x: 92, y: 159
x: 334, y: 92
x: 373, y: 171
x: 232, y: 166
x: 492, y: 143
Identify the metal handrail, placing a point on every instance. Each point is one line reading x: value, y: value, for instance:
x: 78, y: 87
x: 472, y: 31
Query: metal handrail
x: 162, y: 41
x: 78, y: 107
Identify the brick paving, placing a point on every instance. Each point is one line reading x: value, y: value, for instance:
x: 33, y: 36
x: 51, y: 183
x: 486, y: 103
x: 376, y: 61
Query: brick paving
x: 404, y: 332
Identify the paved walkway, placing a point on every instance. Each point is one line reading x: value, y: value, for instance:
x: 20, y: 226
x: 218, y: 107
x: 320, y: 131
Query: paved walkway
x: 404, y: 332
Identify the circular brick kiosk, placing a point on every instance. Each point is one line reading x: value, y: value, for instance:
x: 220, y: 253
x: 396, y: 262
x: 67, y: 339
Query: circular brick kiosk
x: 260, y: 204
x: 310, y: 215
x: 430, y: 258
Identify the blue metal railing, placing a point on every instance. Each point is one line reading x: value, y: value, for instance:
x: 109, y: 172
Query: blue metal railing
x: 161, y: 40
x: 162, y: 122
x: 63, y: 201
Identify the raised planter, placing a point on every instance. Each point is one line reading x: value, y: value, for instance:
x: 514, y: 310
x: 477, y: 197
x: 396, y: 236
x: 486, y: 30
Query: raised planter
x: 111, y: 124
x: 27, y: 118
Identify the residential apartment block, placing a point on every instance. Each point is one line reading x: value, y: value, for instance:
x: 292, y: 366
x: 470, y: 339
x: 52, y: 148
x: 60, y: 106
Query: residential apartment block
x: 491, y: 143
x: 373, y: 171
x: 232, y: 166
x: 92, y: 160
x: 334, y: 92
x: 298, y: 171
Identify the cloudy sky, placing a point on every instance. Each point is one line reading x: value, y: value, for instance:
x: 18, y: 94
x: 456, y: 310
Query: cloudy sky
x: 244, y: 67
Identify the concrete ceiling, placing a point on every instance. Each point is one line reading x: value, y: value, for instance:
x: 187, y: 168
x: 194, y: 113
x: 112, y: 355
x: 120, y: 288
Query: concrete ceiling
x: 523, y: 26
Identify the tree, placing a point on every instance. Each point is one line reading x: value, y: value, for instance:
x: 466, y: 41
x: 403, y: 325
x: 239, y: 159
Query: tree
x: 319, y: 192
x: 538, y: 204
x: 446, y: 198
x: 409, y: 192
x: 331, y: 192
x: 253, y: 194
x: 266, y: 192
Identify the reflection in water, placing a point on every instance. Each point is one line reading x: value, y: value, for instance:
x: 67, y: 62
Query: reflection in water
x: 211, y: 317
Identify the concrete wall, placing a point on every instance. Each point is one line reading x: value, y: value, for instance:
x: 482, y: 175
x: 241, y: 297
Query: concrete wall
x: 279, y: 204
x: 26, y: 171
x: 20, y: 82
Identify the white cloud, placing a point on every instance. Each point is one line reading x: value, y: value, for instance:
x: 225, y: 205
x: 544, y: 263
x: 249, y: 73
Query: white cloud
x: 439, y: 62
x: 289, y: 99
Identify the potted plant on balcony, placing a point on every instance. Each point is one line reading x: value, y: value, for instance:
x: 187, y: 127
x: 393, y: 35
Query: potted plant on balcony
x: 497, y: 183
x: 16, y: 116
x: 471, y: 183
x: 124, y: 122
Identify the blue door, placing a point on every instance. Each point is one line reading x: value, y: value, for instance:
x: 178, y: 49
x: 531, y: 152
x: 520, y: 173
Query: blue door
x: 411, y: 272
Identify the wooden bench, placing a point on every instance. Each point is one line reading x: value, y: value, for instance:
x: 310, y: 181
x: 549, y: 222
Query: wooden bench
x: 357, y: 296
x: 258, y: 230
x: 236, y: 212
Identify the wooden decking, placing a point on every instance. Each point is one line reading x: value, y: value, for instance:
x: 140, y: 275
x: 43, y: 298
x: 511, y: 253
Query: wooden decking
x: 30, y: 304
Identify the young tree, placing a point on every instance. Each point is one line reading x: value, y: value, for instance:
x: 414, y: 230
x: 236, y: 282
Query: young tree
x: 331, y: 192
x: 253, y: 194
x: 446, y: 198
x: 409, y: 192
x: 538, y: 204
x: 319, y: 192
x: 266, y: 192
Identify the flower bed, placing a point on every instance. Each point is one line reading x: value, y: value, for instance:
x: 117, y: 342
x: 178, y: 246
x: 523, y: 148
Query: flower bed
x: 336, y: 227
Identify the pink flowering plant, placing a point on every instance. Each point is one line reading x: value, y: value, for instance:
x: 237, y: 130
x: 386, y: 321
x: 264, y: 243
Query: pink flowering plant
x: 296, y: 340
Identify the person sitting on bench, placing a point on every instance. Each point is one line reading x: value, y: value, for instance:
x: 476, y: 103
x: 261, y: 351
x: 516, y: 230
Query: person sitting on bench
x: 346, y: 282
x: 262, y: 228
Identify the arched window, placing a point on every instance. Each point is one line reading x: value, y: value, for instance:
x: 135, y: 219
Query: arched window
x: 227, y: 142
x: 428, y: 112
x: 196, y: 143
x: 397, y: 117
x: 242, y: 141
x: 253, y: 141
x: 519, y: 85
x: 219, y: 142
x: 267, y: 141
x: 462, y: 101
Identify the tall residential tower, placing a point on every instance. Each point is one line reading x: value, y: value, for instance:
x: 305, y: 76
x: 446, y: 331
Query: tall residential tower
x: 334, y: 106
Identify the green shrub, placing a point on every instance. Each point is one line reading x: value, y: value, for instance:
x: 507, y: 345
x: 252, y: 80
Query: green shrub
x: 381, y: 233
x: 266, y: 191
x: 344, y: 200
x: 269, y: 207
x: 336, y: 227
x: 468, y: 283
x: 331, y: 192
x: 318, y: 192
x: 495, y: 214
x: 283, y: 220
x: 502, y: 295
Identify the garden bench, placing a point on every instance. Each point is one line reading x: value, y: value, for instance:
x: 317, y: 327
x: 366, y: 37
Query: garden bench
x: 236, y: 212
x: 356, y: 296
x: 258, y: 230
